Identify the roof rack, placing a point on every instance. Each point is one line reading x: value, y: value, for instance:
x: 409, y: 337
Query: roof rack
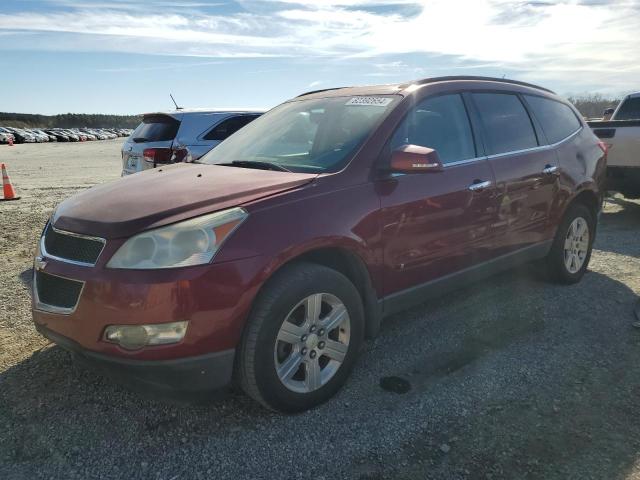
x: 446, y: 79
x: 471, y: 77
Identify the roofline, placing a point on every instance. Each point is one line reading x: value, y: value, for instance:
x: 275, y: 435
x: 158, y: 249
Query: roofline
x: 426, y: 81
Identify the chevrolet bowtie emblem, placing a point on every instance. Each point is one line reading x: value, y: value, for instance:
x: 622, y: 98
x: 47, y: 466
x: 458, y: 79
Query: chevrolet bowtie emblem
x: 39, y: 263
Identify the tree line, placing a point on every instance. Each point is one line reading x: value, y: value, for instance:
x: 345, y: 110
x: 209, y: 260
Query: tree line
x: 592, y: 105
x: 68, y: 120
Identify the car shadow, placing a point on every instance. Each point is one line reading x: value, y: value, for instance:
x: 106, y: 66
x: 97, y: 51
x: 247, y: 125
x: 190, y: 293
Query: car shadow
x: 26, y: 277
x: 619, y: 226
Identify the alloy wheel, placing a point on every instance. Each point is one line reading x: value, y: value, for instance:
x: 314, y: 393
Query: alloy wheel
x: 312, y: 343
x: 576, y: 245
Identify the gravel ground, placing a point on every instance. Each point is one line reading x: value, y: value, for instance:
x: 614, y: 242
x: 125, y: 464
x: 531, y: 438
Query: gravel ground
x: 512, y: 378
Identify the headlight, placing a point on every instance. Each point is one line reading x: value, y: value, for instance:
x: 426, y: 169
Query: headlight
x: 134, y: 337
x: 192, y: 242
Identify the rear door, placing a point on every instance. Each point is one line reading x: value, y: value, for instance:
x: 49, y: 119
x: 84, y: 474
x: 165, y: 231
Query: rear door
x: 561, y: 128
x: 437, y: 223
x: 526, y: 172
x: 157, y: 131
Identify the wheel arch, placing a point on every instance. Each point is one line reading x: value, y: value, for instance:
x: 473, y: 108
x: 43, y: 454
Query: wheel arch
x: 349, y: 263
x: 589, y: 199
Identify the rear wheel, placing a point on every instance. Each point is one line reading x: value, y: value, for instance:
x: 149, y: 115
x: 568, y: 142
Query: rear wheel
x: 570, y: 253
x: 302, y: 340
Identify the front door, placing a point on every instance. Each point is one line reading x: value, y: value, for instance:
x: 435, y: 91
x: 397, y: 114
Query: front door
x: 437, y: 223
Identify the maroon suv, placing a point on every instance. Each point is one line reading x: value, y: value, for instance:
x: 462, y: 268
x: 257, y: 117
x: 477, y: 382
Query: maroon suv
x: 271, y: 260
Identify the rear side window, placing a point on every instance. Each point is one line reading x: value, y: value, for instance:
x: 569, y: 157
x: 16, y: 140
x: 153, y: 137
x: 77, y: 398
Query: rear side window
x: 629, y: 110
x: 229, y: 127
x: 557, y: 119
x: 507, y: 125
x: 156, y: 128
x: 440, y: 123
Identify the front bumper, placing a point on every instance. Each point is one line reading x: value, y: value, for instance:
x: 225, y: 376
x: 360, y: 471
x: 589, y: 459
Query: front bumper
x: 177, y: 378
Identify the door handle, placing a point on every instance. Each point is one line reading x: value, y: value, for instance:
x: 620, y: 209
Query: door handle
x: 479, y: 185
x: 550, y: 170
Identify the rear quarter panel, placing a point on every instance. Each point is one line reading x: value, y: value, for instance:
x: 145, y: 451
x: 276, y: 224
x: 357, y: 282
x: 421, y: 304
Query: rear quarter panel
x: 583, y: 167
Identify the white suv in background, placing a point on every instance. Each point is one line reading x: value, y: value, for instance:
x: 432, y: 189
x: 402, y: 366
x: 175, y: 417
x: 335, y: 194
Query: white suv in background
x: 179, y: 136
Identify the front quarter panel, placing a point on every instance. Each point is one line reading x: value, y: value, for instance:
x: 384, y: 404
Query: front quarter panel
x: 284, y: 227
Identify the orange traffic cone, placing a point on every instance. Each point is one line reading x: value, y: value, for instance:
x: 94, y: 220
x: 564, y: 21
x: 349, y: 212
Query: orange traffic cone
x: 8, y: 190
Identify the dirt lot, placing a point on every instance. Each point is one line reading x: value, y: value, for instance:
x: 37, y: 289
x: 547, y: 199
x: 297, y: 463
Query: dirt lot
x: 513, y: 378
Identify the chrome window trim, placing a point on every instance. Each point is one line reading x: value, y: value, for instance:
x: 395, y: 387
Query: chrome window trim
x: 44, y: 252
x: 515, y: 152
x: 463, y: 162
x: 541, y: 147
x: 45, y: 307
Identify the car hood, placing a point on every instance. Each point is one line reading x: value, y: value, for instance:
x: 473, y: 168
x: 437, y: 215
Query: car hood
x: 165, y: 195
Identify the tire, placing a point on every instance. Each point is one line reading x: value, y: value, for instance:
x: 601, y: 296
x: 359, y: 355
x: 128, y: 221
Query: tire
x: 270, y: 345
x: 557, y: 263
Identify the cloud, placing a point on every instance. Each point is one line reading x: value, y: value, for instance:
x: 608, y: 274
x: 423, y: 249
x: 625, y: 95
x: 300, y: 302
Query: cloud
x: 541, y: 39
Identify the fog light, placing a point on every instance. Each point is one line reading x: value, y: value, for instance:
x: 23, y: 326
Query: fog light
x: 134, y: 337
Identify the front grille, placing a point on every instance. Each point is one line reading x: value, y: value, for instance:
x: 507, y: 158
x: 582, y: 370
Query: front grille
x: 72, y: 247
x: 57, y: 291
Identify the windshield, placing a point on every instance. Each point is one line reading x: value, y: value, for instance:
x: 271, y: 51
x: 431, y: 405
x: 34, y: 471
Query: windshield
x: 305, y: 136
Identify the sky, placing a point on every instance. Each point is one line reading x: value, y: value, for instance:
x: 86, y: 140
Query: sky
x: 126, y: 56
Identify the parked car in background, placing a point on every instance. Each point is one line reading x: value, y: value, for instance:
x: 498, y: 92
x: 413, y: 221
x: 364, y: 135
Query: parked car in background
x: 6, y: 137
x: 50, y: 138
x: 60, y: 137
x: 88, y: 135
x: 622, y: 135
x: 95, y: 134
x: 72, y: 136
x: 22, y: 136
x: 270, y: 260
x: 179, y: 136
x: 40, y: 137
x: 31, y: 135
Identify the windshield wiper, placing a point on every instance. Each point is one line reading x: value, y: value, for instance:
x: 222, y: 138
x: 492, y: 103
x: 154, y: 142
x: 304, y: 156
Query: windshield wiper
x: 139, y: 139
x: 257, y: 164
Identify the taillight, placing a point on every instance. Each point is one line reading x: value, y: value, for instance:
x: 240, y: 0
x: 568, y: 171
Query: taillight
x: 157, y: 155
x: 604, y: 147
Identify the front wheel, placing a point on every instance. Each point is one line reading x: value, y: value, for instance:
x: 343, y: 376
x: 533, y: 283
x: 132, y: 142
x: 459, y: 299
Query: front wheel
x: 570, y: 253
x: 302, y: 340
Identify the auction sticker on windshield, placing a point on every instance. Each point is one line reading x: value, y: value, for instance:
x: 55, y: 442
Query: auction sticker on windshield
x: 375, y: 101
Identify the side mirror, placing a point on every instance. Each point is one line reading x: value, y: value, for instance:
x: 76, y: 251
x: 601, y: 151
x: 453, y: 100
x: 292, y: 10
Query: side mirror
x: 415, y: 159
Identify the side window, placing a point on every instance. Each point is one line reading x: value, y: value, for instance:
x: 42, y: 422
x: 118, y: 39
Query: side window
x: 440, y: 123
x: 629, y: 110
x: 557, y: 119
x: 228, y: 127
x: 507, y: 125
x: 156, y: 128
